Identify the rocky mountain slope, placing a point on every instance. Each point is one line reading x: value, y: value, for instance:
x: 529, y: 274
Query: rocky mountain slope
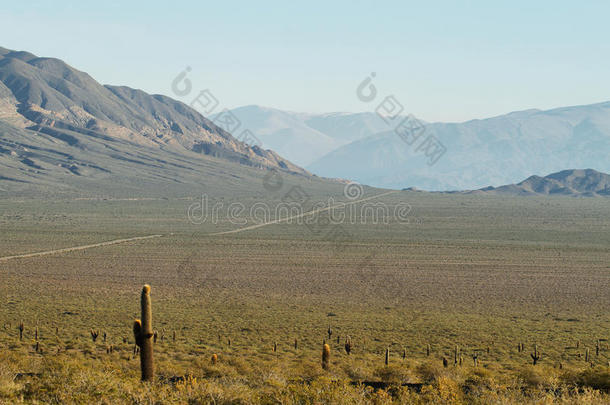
x: 47, y: 93
x: 56, y: 121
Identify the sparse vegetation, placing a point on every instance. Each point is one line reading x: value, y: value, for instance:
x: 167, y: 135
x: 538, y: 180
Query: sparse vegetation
x: 430, y: 292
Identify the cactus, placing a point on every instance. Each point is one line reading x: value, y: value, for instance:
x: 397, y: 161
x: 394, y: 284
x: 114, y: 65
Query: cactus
x: 104, y: 336
x: 348, y: 345
x: 428, y: 349
x: 326, y: 356
x: 456, y: 355
x: 330, y: 332
x: 587, y: 354
x: 143, y: 334
x: 36, y: 335
x: 445, y: 362
x: 404, y: 354
x: 387, y: 356
x: 475, y: 358
x: 535, y: 355
x: 597, y: 348
x: 274, y: 347
x: 21, y: 329
x: 155, y: 337
x: 296, y: 344
x: 214, y: 358
x: 94, y: 335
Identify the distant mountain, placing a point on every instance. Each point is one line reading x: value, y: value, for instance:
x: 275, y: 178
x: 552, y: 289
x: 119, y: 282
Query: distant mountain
x: 494, y: 151
x: 303, y: 138
x: 57, y: 123
x: 586, y: 183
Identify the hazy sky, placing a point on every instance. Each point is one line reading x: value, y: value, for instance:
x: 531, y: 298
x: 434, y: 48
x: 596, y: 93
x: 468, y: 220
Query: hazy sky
x: 443, y: 60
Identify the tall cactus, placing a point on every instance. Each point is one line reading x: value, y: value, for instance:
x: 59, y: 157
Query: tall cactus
x: 536, y: 355
x: 143, y: 333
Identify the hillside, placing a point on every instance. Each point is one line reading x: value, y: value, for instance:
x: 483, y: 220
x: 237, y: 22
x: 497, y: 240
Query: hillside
x: 61, y: 130
x: 587, y: 183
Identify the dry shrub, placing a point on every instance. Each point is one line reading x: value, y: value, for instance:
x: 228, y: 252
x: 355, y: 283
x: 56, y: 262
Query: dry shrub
x: 392, y: 374
x: 597, y: 378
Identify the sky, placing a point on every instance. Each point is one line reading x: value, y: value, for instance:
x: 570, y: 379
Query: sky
x: 442, y: 60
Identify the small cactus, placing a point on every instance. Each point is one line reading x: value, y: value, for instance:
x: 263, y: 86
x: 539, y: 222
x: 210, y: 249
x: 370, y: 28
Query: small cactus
x: 587, y: 354
x: 142, y: 330
x: 456, y: 355
x: 475, y: 358
x: 94, y: 335
x: 214, y: 358
x: 274, y: 347
x: 330, y: 332
x: 348, y: 345
x: 296, y: 344
x: 535, y: 355
x: 445, y: 362
x: 597, y: 348
x: 404, y: 354
x: 36, y: 334
x: 326, y: 356
x: 387, y: 356
x: 428, y: 349
x: 21, y: 329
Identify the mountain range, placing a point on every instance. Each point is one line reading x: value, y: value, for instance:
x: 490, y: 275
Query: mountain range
x: 63, y: 132
x: 478, y: 153
x: 304, y: 138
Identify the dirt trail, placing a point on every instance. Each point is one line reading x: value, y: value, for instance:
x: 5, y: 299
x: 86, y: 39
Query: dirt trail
x: 277, y: 221
x: 117, y: 241
x: 75, y: 248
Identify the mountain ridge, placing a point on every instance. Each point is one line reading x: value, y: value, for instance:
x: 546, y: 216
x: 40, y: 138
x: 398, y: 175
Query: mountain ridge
x: 497, y: 150
x: 63, y: 133
x: 47, y: 91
